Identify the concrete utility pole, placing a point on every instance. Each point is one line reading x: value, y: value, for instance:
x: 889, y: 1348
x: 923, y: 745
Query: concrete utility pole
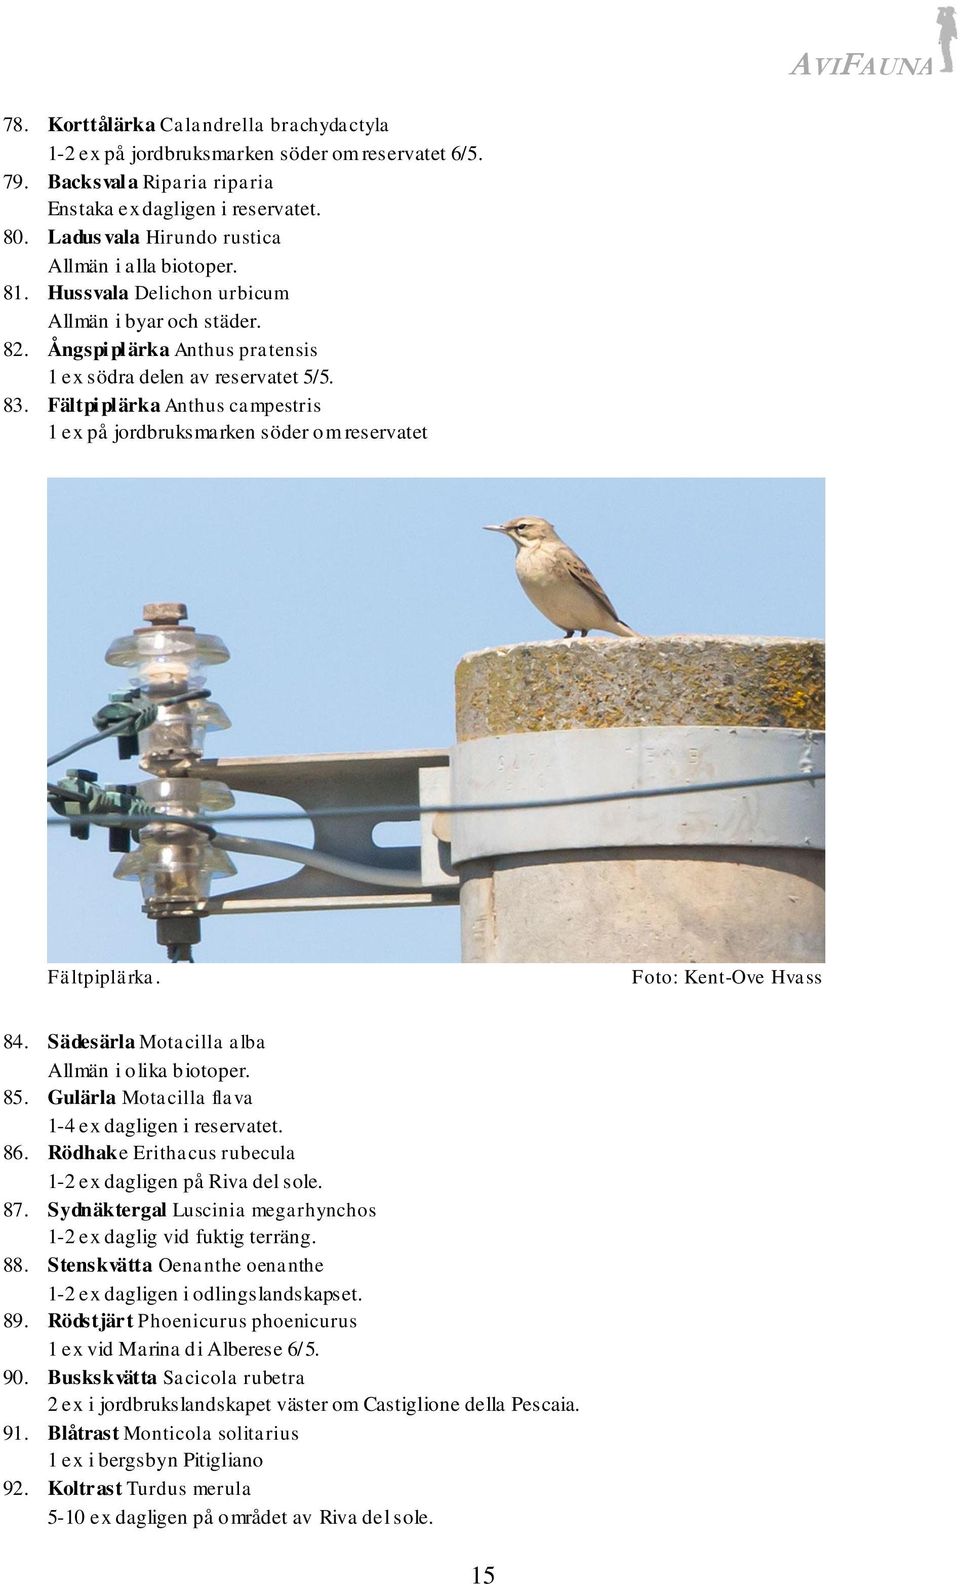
x: 733, y: 876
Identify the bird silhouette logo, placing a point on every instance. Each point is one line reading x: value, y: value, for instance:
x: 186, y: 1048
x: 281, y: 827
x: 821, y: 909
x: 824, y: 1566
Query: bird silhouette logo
x: 947, y: 23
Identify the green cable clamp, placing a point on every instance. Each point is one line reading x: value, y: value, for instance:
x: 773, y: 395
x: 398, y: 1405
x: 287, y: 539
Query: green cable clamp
x: 78, y: 798
x: 134, y: 712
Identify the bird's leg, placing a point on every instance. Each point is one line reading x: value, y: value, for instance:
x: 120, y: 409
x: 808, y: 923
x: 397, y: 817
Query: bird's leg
x: 569, y: 634
x: 584, y: 631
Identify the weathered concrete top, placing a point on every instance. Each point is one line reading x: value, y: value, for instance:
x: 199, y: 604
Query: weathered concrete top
x: 685, y: 679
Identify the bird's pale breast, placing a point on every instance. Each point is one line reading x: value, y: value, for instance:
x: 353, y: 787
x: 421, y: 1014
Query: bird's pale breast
x: 548, y: 583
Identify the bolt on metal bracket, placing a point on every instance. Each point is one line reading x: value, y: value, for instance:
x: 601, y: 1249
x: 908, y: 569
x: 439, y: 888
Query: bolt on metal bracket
x: 364, y: 780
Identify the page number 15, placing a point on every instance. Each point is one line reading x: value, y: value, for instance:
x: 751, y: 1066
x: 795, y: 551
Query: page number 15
x: 483, y: 1575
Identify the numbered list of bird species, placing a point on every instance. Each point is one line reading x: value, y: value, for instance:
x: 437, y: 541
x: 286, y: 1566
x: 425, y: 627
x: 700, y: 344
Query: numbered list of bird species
x: 193, y: 276
x: 196, y: 1304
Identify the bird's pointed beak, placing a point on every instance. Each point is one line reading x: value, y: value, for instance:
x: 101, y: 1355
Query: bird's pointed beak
x: 494, y: 528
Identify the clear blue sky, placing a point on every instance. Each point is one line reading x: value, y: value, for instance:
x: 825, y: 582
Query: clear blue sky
x: 346, y: 605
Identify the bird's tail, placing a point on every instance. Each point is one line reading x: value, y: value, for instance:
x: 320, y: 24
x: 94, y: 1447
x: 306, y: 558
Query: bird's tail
x: 622, y: 630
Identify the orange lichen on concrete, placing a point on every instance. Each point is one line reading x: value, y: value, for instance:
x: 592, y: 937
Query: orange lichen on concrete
x: 672, y: 681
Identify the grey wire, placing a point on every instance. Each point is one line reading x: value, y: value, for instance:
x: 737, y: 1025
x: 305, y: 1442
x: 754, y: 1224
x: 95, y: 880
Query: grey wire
x: 311, y: 858
x: 414, y: 810
x: 110, y: 731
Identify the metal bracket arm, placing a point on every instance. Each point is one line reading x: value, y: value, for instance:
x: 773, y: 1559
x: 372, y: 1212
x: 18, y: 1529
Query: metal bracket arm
x: 361, y: 780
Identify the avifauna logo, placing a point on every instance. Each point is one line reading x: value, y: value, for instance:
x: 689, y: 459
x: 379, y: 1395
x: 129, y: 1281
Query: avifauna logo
x: 857, y: 63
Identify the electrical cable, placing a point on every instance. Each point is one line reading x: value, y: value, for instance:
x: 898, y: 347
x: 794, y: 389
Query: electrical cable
x: 116, y: 730
x: 311, y: 858
x: 414, y: 810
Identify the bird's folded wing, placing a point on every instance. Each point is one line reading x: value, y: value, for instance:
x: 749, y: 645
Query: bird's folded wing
x: 586, y: 579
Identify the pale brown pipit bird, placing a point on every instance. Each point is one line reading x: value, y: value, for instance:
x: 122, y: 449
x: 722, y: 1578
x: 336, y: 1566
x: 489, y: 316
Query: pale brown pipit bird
x: 557, y: 581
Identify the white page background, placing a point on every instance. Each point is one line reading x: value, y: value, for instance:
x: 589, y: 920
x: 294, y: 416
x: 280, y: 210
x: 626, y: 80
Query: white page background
x: 723, y: 1220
